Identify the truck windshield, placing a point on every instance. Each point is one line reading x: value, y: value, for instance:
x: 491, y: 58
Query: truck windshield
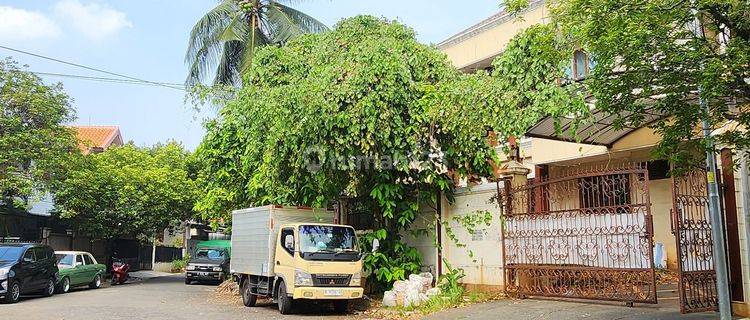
x: 212, y: 254
x: 326, y: 239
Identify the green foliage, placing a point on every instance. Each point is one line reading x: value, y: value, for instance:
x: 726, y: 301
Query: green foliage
x: 395, y: 262
x: 449, y: 282
x: 649, y: 60
x: 452, y: 293
x: 127, y: 191
x: 523, y: 88
x: 225, y: 38
x: 515, y: 6
x: 33, y: 139
x: 180, y: 264
x: 351, y: 112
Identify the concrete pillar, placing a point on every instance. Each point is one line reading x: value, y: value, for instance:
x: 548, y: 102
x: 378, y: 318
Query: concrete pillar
x: 513, y: 173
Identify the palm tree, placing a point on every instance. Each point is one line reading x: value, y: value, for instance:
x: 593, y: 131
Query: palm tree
x: 226, y: 36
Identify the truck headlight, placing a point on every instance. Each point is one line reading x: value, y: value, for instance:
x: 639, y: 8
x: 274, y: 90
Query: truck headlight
x: 217, y: 269
x: 356, y: 280
x: 189, y: 267
x: 302, y: 279
x: 4, y: 273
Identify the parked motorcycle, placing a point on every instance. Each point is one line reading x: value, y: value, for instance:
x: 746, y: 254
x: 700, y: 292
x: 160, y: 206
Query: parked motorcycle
x: 120, y: 271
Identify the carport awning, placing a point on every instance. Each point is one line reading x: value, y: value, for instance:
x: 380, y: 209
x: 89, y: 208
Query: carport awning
x: 599, y: 129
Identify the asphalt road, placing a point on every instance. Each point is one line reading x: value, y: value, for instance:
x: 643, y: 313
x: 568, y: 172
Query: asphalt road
x: 158, y: 298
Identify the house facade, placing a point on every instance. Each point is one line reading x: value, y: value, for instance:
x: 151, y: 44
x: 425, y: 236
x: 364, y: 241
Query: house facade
x: 597, y: 219
x: 473, y: 50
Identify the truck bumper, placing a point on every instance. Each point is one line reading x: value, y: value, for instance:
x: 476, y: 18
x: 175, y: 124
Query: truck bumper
x: 328, y: 293
x: 203, y: 275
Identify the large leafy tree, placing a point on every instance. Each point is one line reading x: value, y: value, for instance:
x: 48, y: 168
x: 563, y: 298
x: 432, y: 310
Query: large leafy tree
x: 652, y: 57
x: 226, y: 38
x: 353, y: 113
x: 127, y: 191
x: 33, y: 139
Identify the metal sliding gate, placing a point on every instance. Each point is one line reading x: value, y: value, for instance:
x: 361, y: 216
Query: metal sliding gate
x: 692, y: 228
x: 584, y: 235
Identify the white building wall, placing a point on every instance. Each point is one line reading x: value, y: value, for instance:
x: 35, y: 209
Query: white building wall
x: 484, y: 271
x: 421, y: 235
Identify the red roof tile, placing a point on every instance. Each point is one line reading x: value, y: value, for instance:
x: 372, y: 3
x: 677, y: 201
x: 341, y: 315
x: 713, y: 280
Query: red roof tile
x: 97, y: 137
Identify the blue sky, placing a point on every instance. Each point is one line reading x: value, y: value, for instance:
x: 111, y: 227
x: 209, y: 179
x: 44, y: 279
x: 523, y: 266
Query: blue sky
x: 147, y: 39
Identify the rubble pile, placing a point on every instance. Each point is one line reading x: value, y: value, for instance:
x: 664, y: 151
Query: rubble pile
x: 412, y: 292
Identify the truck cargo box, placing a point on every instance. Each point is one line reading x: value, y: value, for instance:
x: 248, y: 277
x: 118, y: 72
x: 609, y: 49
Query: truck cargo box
x: 254, y: 232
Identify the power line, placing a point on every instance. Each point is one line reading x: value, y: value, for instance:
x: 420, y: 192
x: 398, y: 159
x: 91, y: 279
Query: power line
x: 111, y: 80
x: 168, y: 85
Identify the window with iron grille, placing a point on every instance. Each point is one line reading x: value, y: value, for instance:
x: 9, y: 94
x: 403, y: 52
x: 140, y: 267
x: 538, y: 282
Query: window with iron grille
x: 599, y: 194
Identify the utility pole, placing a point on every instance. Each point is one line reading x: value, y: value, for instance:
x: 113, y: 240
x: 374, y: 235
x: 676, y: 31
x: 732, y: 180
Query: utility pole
x: 714, y: 207
x: 717, y: 230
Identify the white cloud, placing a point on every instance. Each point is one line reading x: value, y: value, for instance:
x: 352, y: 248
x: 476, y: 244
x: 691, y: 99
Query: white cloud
x: 19, y: 24
x: 95, y: 21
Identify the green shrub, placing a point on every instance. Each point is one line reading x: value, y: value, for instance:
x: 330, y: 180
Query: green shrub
x: 180, y: 264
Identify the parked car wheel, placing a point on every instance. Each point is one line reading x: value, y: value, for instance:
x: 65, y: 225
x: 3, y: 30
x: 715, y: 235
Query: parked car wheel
x: 64, y: 286
x: 340, y: 306
x: 285, y: 302
x: 49, y: 288
x: 248, y: 298
x: 188, y: 281
x: 97, y: 283
x: 14, y: 293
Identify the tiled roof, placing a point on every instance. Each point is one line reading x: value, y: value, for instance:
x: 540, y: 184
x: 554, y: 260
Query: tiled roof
x: 97, y: 137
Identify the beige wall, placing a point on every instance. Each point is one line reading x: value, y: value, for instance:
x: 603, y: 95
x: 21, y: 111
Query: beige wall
x: 742, y: 212
x: 660, y: 192
x: 538, y: 150
x: 637, y: 139
x: 488, y: 39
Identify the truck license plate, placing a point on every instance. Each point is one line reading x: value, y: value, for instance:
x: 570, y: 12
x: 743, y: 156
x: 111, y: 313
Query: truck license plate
x: 202, y: 273
x: 333, y: 292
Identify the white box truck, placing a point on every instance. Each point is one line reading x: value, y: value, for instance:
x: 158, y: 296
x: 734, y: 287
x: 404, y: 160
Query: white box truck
x: 291, y: 253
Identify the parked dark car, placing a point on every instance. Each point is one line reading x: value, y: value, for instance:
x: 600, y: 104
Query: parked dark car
x: 26, y: 268
x: 208, y: 264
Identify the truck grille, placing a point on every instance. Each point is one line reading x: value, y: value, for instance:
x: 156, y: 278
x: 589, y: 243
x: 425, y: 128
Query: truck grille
x: 331, y: 280
x: 204, y: 268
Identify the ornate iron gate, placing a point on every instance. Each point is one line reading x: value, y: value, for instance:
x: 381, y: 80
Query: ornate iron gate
x: 585, y: 235
x: 692, y: 228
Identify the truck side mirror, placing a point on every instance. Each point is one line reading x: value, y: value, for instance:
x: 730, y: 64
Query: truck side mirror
x: 289, y: 242
x: 375, y: 245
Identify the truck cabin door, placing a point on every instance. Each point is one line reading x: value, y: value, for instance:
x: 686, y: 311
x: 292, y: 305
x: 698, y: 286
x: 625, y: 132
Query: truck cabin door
x: 285, y: 249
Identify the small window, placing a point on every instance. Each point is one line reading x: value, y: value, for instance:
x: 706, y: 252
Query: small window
x: 598, y: 194
x: 79, y: 259
x: 65, y: 259
x: 88, y: 259
x: 40, y: 253
x: 580, y: 65
x: 284, y: 233
x: 29, y: 256
x: 592, y: 63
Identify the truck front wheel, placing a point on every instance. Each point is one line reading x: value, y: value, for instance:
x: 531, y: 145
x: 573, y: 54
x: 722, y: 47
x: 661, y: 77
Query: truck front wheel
x: 248, y: 298
x: 285, y: 302
x: 340, y: 306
